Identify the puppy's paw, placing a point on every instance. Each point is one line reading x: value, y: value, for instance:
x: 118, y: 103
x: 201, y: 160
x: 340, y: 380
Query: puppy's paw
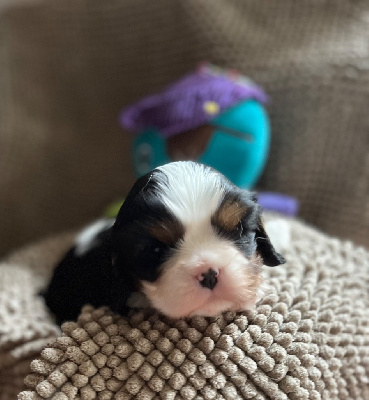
x: 279, y: 232
x: 138, y: 300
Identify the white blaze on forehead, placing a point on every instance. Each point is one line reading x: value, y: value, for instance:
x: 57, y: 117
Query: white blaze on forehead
x: 192, y: 191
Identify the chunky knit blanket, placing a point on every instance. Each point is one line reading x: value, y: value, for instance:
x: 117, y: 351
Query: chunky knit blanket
x: 308, y: 338
x: 25, y: 325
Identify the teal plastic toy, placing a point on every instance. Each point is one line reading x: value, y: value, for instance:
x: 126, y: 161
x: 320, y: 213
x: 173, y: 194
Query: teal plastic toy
x: 229, y: 103
x: 219, y: 113
x: 238, y: 147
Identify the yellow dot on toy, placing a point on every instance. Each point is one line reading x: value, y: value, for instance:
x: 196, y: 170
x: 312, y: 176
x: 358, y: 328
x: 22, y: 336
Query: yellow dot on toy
x: 211, y: 107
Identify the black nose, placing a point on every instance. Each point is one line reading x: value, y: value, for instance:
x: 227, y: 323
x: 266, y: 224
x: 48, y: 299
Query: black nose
x: 209, y: 279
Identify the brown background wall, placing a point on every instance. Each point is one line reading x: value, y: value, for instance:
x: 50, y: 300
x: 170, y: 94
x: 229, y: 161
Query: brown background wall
x: 68, y: 67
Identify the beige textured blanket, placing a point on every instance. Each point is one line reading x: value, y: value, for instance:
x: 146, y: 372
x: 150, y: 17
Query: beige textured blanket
x: 308, y: 338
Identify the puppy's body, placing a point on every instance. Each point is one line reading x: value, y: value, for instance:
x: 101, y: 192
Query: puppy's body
x: 186, y: 237
x: 83, y: 276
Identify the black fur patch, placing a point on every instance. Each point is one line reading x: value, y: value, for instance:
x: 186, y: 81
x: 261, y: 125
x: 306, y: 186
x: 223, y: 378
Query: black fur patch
x: 119, y: 259
x: 80, y: 280
x: 249, y: 233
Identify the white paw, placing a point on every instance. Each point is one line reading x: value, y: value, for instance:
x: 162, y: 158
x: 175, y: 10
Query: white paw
x: 279, y: 232
x: 89, y: 237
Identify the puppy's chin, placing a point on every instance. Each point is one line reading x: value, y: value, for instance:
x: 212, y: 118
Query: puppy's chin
x: 178, y: 293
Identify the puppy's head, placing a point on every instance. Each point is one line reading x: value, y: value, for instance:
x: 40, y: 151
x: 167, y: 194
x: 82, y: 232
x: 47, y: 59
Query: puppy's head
x: 193, y: 241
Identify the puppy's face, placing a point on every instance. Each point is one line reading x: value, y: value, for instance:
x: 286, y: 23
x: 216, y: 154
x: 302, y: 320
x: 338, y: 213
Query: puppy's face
x: 192, y: 241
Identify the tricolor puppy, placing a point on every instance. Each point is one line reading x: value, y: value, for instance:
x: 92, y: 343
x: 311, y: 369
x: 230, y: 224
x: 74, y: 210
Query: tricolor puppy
x: 186, y: 239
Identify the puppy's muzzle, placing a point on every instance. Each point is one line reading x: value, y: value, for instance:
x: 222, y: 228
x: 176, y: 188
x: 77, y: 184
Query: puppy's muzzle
x: 209, y: 279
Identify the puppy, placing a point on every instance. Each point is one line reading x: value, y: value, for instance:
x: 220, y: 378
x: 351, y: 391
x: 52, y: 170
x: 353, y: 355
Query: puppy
x: 186, y: 240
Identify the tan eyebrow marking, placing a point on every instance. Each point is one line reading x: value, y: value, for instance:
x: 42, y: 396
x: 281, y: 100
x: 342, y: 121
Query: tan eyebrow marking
x: 229, y: 215
x: 168, y: 232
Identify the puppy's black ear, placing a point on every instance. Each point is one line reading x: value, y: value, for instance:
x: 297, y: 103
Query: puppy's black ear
x: 265, y: 248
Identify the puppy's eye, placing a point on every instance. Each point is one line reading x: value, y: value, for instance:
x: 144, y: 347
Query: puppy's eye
x: 158, y: 249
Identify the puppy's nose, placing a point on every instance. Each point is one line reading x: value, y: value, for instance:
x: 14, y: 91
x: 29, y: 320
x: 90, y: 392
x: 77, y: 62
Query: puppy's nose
x: 208, y: 279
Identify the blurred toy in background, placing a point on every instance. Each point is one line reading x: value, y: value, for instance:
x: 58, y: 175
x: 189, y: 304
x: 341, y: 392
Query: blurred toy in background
x: 213, y: 116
